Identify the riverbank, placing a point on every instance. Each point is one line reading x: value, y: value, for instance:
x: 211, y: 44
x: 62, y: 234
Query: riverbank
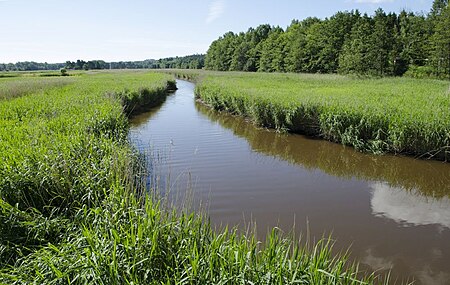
x: 395, y: 115
x: 74, y: 206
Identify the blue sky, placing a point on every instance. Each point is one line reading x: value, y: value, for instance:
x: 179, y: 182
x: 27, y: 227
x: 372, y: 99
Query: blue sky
x: 114, y: 30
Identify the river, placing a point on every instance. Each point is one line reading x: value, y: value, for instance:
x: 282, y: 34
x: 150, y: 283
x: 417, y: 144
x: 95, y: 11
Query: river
x: 392, y: 211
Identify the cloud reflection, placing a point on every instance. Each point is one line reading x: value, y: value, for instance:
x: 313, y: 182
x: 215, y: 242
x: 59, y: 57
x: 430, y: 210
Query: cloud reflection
x: 407, y: 208
x: 375, y: 262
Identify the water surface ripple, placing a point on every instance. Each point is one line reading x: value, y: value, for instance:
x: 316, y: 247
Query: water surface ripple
x: 393, y: 211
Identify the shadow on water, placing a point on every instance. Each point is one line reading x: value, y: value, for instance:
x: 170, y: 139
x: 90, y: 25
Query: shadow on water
x: 429, y: 178
x: 143, y: 117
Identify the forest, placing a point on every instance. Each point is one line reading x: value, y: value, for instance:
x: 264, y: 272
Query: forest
x: 383, y: 44
x: 195, y: 61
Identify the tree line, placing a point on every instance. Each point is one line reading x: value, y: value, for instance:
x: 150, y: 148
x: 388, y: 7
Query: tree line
x: 29, y: 66
x: 196, y: 61
x: 384, y: 44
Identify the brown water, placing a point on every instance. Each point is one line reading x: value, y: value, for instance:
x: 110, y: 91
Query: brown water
x: 393, y: 212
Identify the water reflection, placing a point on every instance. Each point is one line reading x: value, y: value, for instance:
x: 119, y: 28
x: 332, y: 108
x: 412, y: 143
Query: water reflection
x: 427, y: 276
x: 408, y: 208
x: 391, y: 210
x: 377, y: 263
x: 429, y: 178
x: 424, y: 274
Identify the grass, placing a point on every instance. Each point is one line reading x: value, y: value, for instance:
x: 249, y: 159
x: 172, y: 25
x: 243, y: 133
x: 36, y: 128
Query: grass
x: 16, y: 87
x: 424, y: 177
x: 74, y: 208
x: 123, y: 242
x: 398, y: 115
x: 63, y: 147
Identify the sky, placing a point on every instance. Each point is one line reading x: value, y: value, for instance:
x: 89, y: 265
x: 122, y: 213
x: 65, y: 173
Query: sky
x: 121, y: 30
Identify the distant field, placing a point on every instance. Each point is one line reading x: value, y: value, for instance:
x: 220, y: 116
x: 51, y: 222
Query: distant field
x: 399, y: 115
x: 19, y: 86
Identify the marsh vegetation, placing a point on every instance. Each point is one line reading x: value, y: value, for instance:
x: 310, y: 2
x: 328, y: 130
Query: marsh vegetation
x: 75, y: 207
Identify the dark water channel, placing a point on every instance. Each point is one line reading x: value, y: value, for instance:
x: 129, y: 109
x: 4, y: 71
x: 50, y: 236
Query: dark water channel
x: 393, y: 211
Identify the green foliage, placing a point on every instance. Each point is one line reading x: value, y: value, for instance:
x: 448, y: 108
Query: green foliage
x: 356, y: 56
x: 419, y: 177
x: 348, y: 42
x: 223, y: 50
x: 273, y: 52
x: 420, y: 72
x: 74, y: 207
x: 437, y: 7
x: 63, y: 144
x: 414, y: 39
x: 23, y: 232
x: 441, y: 43
x: 394, y: 115
x: 17, y: 86
x: 126, y: 243
x: 196, y: 61
x: 30, y: 65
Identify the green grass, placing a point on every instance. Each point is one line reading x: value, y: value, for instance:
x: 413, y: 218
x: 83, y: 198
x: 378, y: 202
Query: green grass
x: 399, y: 115
x: 123, y: 243
x: 74, y: 208
x: 63, y: 147
x: 424, y: 177
x: 20, y: 86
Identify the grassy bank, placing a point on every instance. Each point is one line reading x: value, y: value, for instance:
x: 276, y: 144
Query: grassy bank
x: 62, y: 148
x: 398, y: 115
x: 74, y: 208
x: 421, y: 177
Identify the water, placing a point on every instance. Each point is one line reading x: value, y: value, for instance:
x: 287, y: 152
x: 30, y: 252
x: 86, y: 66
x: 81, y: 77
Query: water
x: 393, y: 212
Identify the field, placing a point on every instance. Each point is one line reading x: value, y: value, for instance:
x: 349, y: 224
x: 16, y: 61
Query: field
x: 397, y: 115
x: 74, y: 207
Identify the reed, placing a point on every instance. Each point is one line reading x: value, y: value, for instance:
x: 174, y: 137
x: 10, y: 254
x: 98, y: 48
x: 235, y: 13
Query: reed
x: 398, y: 115
x: 74, y: 207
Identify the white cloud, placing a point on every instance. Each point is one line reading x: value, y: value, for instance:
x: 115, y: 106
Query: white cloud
x: 216, y: 9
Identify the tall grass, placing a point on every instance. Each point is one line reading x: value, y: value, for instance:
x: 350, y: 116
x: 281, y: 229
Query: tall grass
x: 62, y: 147
x: 20, y: 86
x: 399, y: 115
x: 137, y: 241
x: 424, y: 177
x: 74, y: 208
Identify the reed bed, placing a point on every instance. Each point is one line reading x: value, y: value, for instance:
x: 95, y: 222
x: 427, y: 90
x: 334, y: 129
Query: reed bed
x: 20, y: 86
x: 74, y: 207
x: 398, y: 115
x: 62, y: 147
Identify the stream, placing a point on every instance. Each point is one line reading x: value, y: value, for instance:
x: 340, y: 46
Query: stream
x: 393, y: 212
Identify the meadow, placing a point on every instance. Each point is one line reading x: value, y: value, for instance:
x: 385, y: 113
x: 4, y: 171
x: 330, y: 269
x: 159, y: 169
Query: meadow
x: 75, y: 208
x: 397, y: 115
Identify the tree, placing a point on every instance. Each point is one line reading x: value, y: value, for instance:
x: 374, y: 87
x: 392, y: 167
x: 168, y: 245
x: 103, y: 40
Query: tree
x: 296, y: 33
x: 441, y: 43
x: 273, y: 52
x: 256, y: 37
x: 330, y: 38
x: 382, y: 42
x: 356, y: 56
x: 438, y: 7
x: 239, y: 57
x: 413, y: 38
x: 220, y: 53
